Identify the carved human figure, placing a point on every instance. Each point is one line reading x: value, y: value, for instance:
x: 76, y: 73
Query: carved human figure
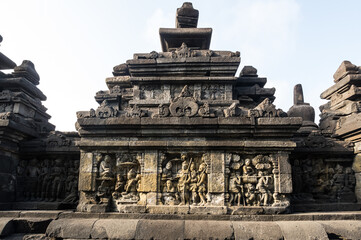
x: 247, y: 168
x: 119, y: 186
x: 58, y: 177
x: 20, y: 169
x: 43, y: 177
x: 103, y: 192
x: 193, y: 179
x: 235, y: 189
x: 105, y: 168
x: 262, y: 187
x: 71, y: 190
x: 338, y: 182
x: 250, y: 195
x: 183, y: 184
x: 202, y: 184
x: 131, y: 186
x: 167, y: 171
x: 32, y: 173
x: 169, y: 193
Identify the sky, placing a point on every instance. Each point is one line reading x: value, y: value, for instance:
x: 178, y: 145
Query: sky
x: 75, y: 44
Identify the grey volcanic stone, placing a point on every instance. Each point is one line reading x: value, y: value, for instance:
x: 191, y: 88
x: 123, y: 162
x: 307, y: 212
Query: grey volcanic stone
x: 70, y: 228
x: 115, y: 229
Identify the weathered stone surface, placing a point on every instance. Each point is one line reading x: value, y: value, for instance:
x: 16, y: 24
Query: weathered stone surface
x: 342, y: 229
x: 70, y: 228
x: 256, y: 230
x: 302, y: 230
x: 115, y: 229
x: 344, y: 69
x: 146, y: 229
x: 208, y: 229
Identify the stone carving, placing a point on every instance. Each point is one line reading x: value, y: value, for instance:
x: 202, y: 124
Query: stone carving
x: 322, y: 181
x: 105, y: 110
x: 124, y: 188
x: 48, y: 180
x: 184, y: 104
x: 163, y: 110
x: 57, y: 139
x: 151, y: 92
x: 182, y: 52
x: 184, y: 183
x: 135, y: 111
x: 251, y: 180
x: 213, y: 91
x: 266, y: 109
x: 205, y: 111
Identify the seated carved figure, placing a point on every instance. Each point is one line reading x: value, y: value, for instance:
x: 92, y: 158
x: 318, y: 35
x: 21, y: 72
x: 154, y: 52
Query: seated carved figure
x: 169, y: 194
x: 105, y: 168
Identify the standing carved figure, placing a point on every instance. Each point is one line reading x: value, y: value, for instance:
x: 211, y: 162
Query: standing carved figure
x: 202, y: 184
x: 262, y: 187
x: 183, y: 184
x: 235, y: 188
x: 193, y: 179
x: 32, y: 173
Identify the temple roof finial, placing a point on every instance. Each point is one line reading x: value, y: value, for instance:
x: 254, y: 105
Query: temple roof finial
x: 187, y: 16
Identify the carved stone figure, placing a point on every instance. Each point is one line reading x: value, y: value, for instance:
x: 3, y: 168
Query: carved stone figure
x: 193, y: 179
x: 169, y: 194
x: 262, y: 187
x: 236, y: 189
x: 32, y: 173
x: 105, y: 168
x: 202, y: 184
x: 183, y: 184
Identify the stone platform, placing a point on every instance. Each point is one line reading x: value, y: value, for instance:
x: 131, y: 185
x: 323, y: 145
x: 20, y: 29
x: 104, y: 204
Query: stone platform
x: 76, y: 225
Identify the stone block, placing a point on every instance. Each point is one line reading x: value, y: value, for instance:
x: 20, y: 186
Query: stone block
x: 152, y: 198
x: 149, y: 182
x: 217, y: 199
x: 208, y: 210
x: 7, y: 227
x: 284, y: 163
x: 31, y: 225
x: 131, y: 208
x: 302, y: 230
x: 164, y: 209
x: 285, y: 183
x: 208, y: 230
x: 70, y: 228
x: 217, y: 162
x: 114, y: 229
x: 85, y: 182
x: 216, y: 183
x: 256, y: 230
x: 342, y: 229
x: 160, y: 229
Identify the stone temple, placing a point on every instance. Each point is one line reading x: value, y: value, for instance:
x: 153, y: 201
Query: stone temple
x: 181, y: 148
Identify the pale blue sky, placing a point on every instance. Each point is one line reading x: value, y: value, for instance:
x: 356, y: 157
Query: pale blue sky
x: 74, y: 44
